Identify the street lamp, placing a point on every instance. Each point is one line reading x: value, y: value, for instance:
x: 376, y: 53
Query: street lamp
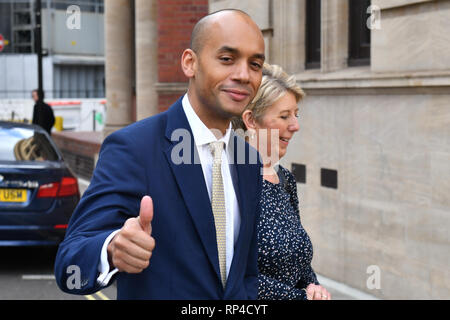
x: 38, y: 45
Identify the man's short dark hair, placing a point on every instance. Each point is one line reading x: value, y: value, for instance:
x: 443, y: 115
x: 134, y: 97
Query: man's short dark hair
x: 198, y: 33
x: 40, y: 94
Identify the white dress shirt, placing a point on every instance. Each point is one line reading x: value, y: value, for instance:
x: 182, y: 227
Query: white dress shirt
x: 202, y: 137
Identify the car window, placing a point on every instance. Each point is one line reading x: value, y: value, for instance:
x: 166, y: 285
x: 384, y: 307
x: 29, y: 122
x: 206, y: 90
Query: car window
x: 22, y: 144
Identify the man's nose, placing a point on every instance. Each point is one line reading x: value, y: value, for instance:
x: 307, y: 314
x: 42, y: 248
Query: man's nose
x: 241, y: 72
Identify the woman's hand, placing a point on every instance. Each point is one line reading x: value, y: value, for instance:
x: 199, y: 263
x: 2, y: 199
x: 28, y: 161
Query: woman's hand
x: 317, y: 292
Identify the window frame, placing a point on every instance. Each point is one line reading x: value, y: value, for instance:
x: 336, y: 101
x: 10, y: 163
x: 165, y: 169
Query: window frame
x: 359, y: 37
x: 313, y: 45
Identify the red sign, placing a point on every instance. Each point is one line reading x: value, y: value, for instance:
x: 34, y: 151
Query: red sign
x: 1, y: 42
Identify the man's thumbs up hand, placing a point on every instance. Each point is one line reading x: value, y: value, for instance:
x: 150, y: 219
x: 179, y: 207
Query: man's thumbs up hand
x: 131, y: 248
x: 146, y: 214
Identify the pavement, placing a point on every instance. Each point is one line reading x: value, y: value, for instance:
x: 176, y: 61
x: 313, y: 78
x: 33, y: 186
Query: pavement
x: 27, y: 273
x: 341, y: 291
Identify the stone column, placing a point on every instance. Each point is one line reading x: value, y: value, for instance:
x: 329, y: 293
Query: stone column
x: 146, y: 58
x: 334, y: 43
x: 288, y: 42
x: 118, y: 64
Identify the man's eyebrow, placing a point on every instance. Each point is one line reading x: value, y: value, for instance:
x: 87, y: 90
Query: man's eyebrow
x: 228, y: 49
x: 260, y: 56
x: 236, y: 51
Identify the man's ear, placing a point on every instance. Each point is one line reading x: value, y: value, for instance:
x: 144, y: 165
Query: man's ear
x: 189, y: 63
x: 248, y: 119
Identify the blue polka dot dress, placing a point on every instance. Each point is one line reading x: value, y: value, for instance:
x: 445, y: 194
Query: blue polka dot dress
x: 284, y: 248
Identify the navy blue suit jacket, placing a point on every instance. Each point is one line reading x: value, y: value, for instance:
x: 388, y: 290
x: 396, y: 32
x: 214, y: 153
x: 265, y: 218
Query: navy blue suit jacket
x: 136, y: 161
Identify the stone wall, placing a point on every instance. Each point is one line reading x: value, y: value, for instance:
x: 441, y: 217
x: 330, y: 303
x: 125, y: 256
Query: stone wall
x: 391, y: 206
x: 80, y: 150
x: 424, y: 25
x: 385, y: 130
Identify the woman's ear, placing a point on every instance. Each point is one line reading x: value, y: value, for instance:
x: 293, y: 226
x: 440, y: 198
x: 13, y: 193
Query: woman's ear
x: 248, y: 119
x: 188, y: 63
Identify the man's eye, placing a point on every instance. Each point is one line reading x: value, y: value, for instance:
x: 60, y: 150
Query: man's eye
x: 256, y: 65
x: 226, y: 59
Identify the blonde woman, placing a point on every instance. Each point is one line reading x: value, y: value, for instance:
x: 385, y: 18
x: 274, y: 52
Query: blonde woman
x: 284, y: 248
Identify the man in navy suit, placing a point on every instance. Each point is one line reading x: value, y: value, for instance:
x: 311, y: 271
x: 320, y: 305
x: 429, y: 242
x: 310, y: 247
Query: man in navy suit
x: 146, y: 219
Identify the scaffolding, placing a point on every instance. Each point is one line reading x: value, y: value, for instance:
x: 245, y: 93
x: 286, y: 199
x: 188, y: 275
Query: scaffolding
x: 23, y: 25
x: 22, y: 14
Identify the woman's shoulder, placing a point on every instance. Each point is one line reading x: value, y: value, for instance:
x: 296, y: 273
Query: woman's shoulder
x: 288, y: 176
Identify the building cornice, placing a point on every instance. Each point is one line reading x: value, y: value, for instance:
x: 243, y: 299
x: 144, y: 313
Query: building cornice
x: 171, y: 87
x: 361, y: 80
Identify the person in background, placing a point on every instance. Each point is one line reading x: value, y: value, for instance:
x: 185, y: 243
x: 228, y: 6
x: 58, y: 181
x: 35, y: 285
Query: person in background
x: 42, y: 113
x: 285, y: 250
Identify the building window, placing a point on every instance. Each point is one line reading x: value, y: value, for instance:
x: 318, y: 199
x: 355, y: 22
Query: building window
x: 78, y: 81
x: 96, y: 6
x: 359, y: 33
x: 312, y: 37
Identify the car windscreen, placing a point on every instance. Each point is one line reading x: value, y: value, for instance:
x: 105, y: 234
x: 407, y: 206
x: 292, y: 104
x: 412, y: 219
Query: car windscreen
x: 23, y: 144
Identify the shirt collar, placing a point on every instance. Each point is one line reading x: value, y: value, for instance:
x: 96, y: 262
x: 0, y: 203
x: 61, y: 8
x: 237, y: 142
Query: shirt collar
x: 202, y: 135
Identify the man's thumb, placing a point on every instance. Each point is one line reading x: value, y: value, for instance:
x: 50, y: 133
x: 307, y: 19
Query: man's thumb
x: 146, y: 214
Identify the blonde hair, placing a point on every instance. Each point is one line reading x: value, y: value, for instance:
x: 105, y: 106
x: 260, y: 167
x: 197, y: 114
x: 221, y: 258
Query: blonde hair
x: 274, y: 85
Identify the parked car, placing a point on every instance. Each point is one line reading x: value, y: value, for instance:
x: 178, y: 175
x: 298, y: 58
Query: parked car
x: 38, y: 191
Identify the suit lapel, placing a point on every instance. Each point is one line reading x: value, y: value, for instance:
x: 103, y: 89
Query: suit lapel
x: 243, y: 180
x: 189, y: 177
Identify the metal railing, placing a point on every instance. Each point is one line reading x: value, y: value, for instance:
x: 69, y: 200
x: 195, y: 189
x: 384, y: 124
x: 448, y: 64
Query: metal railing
x: 54, y: 94
x: 96, y: 6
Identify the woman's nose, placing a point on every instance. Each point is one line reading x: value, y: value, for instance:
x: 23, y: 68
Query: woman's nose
x: 294, y: 125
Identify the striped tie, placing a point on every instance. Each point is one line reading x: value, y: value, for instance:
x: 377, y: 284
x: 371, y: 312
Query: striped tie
x: 218, y: 207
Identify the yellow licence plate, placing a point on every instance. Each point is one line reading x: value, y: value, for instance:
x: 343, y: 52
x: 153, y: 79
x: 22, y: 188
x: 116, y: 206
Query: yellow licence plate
x: 13, y: 195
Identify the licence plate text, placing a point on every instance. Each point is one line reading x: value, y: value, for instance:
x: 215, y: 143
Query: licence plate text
x: 13, y: 195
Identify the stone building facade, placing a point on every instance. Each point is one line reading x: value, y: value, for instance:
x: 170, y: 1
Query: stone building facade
x: 144, y: 40
x: 372, y: 156
x: 382, y: 129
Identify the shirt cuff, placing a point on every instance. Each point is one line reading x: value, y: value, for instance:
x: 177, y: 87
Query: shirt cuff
x: 103, y: 266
